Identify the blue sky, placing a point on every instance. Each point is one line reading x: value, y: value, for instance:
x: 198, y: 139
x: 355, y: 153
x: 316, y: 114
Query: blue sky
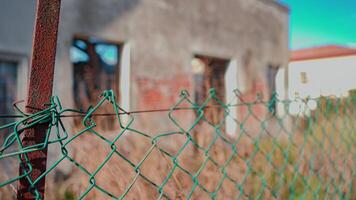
x: 322, y: 22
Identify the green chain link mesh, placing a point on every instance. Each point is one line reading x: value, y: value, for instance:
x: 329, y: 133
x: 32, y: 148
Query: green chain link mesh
x: 306, y: 155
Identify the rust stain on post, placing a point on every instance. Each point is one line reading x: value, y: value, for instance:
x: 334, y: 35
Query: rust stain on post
x: 40, y: 90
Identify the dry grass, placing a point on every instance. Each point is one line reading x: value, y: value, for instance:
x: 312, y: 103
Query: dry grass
x: 317, y: 164
x: 315, y: 160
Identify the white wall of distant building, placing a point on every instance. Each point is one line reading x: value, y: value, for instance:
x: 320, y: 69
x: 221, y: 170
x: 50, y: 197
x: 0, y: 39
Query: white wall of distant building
x: 328, y: 76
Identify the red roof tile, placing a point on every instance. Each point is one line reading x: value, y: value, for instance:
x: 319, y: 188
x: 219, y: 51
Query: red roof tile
x: 321, y: 52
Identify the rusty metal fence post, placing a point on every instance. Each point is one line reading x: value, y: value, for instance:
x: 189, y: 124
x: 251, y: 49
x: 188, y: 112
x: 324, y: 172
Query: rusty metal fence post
x: 40, y: 91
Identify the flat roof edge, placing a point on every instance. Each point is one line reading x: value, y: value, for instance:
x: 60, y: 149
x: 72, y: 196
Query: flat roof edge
x: 322, y: 57
x: 278, y: 5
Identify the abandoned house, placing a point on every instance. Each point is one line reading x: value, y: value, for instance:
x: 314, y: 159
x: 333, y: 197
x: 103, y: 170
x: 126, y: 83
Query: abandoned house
x: 147, y: 51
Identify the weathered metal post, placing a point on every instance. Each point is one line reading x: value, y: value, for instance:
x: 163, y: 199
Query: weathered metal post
x: 40, y: 90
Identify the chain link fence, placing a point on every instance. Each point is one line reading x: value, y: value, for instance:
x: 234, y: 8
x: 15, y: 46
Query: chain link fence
x: 276, y: 149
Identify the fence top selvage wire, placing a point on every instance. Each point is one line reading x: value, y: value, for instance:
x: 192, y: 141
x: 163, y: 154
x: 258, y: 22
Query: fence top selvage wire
x: 82, y: 114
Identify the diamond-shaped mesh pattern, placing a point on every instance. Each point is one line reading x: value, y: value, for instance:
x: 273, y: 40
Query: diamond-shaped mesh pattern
x: 298, y: 153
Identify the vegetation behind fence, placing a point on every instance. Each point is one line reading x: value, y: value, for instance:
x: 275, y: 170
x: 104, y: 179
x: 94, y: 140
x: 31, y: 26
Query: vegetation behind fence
x: 308, y: 154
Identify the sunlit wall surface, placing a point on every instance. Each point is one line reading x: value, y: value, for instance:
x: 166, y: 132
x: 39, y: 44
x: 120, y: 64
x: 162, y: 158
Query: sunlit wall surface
x: 330, y: 76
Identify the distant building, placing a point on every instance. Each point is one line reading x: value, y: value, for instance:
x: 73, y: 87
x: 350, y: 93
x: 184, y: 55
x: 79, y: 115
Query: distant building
x: 149, y: 50
x: 322, y: 71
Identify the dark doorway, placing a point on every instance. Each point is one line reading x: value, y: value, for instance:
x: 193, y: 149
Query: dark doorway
x: 8, y: 88
x: 209, y: 72
x: 271, y: 78
x: 96, y: 67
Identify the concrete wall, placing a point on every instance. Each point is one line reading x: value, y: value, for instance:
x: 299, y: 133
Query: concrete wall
x: 163, y: 36
x: 337, y: 79
x: 16, y: 25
